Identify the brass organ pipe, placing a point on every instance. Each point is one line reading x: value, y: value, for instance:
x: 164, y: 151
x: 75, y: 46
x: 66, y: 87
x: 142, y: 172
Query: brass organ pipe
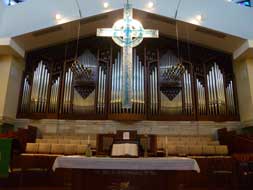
x: 39, y: 74
x: 142, y: 94
x: 118, y: 83
x: 70, y: 89
x: 140, y: 86
x: 66, y: 91
x: 41, y: 81
x: 202, y: 98
x: 34, y: 88
x: 209, y: 94
x: 102, y: 89
x: 153, y: 90
x: 199, y: 96
x: 46, y: 90
x: 137, y: 85
x: 120, y: 80
x: 228, y: 100
x: 222, y: 96
x: 115, y: 86
x: 43, y: 84
x: 38, y: 87
x: 112, y: 90
x: 217, y: 88
x: 52, y: 98
x: 23, y: 96
x: 186, y: 92
x: 66, y: 94
x: 26, y: 94
x: 57, y: 93
x: 99, y: 89
x: 156, y: 95
x: 232, y: 97
x: 190, y: 92
x: 134, y: 82
x: 213, y: 91
x: 151, y: 93
x: 104, y: 92
x: 220, y: 90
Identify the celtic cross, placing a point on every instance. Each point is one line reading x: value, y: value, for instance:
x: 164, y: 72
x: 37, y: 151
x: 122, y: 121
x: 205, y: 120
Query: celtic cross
x: 127, y: 33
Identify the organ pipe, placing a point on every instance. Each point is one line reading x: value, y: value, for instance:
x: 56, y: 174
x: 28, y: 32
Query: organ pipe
x: 231, y: 109
x: 137, y: 86
x: 201, y: 97
x: 40, y: 88
x: 101, y: 90
x: 216, y: 93
x: 25, y: 96
x: 153, y: 91
x: 187, y: 92
x: 67, y: 91
x: 54, y: 95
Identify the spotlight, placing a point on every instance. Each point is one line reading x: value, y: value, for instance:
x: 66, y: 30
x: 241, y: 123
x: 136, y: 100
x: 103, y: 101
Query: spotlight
x: 58, y: 17
x: 199, y: 18
x: 150, y: 4
x: 106, y: 5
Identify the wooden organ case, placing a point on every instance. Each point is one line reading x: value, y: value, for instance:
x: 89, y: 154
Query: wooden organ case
x: 168, y: 83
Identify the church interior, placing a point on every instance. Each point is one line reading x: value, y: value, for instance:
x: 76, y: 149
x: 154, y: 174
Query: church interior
x: 126, y: 95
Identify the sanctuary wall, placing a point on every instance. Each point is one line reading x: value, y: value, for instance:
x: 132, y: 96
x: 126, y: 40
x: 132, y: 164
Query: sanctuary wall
x: 243, y: 70
x: 10, y: 79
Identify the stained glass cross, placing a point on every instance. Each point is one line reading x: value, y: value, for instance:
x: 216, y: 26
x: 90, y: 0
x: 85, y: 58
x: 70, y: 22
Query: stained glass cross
x: 127, y: 33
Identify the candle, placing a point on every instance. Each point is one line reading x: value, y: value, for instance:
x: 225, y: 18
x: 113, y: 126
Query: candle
x: 88, y: 139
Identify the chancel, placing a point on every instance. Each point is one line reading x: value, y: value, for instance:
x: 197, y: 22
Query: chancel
x: 126, y: 95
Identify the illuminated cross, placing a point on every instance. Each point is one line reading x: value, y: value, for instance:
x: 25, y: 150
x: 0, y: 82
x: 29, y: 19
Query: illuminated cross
x: 127, y: 33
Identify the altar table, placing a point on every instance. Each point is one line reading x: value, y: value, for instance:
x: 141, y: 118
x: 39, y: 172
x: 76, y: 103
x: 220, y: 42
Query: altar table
x: 106, y: 173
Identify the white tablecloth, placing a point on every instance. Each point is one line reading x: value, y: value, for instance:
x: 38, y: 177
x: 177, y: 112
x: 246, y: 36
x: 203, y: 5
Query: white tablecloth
x: 106, y: 163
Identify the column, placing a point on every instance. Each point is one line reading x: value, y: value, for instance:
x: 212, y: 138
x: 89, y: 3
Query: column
x: 11, y: 71
x: 243, y: 70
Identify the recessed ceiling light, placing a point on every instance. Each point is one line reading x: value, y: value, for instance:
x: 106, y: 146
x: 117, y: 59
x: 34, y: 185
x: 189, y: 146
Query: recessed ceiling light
x: 58, y: 17
x: 150, y: 4
x: 106, y: 5
x: 199, y: 17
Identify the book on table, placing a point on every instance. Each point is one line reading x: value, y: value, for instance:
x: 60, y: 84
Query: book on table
x: 125, y: 149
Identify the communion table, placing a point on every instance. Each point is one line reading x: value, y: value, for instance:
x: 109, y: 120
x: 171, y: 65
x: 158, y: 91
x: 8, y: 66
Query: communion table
x: 106, y: 173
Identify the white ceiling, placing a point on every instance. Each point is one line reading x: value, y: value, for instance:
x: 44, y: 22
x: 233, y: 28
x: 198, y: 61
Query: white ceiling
x: 166, y: 26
